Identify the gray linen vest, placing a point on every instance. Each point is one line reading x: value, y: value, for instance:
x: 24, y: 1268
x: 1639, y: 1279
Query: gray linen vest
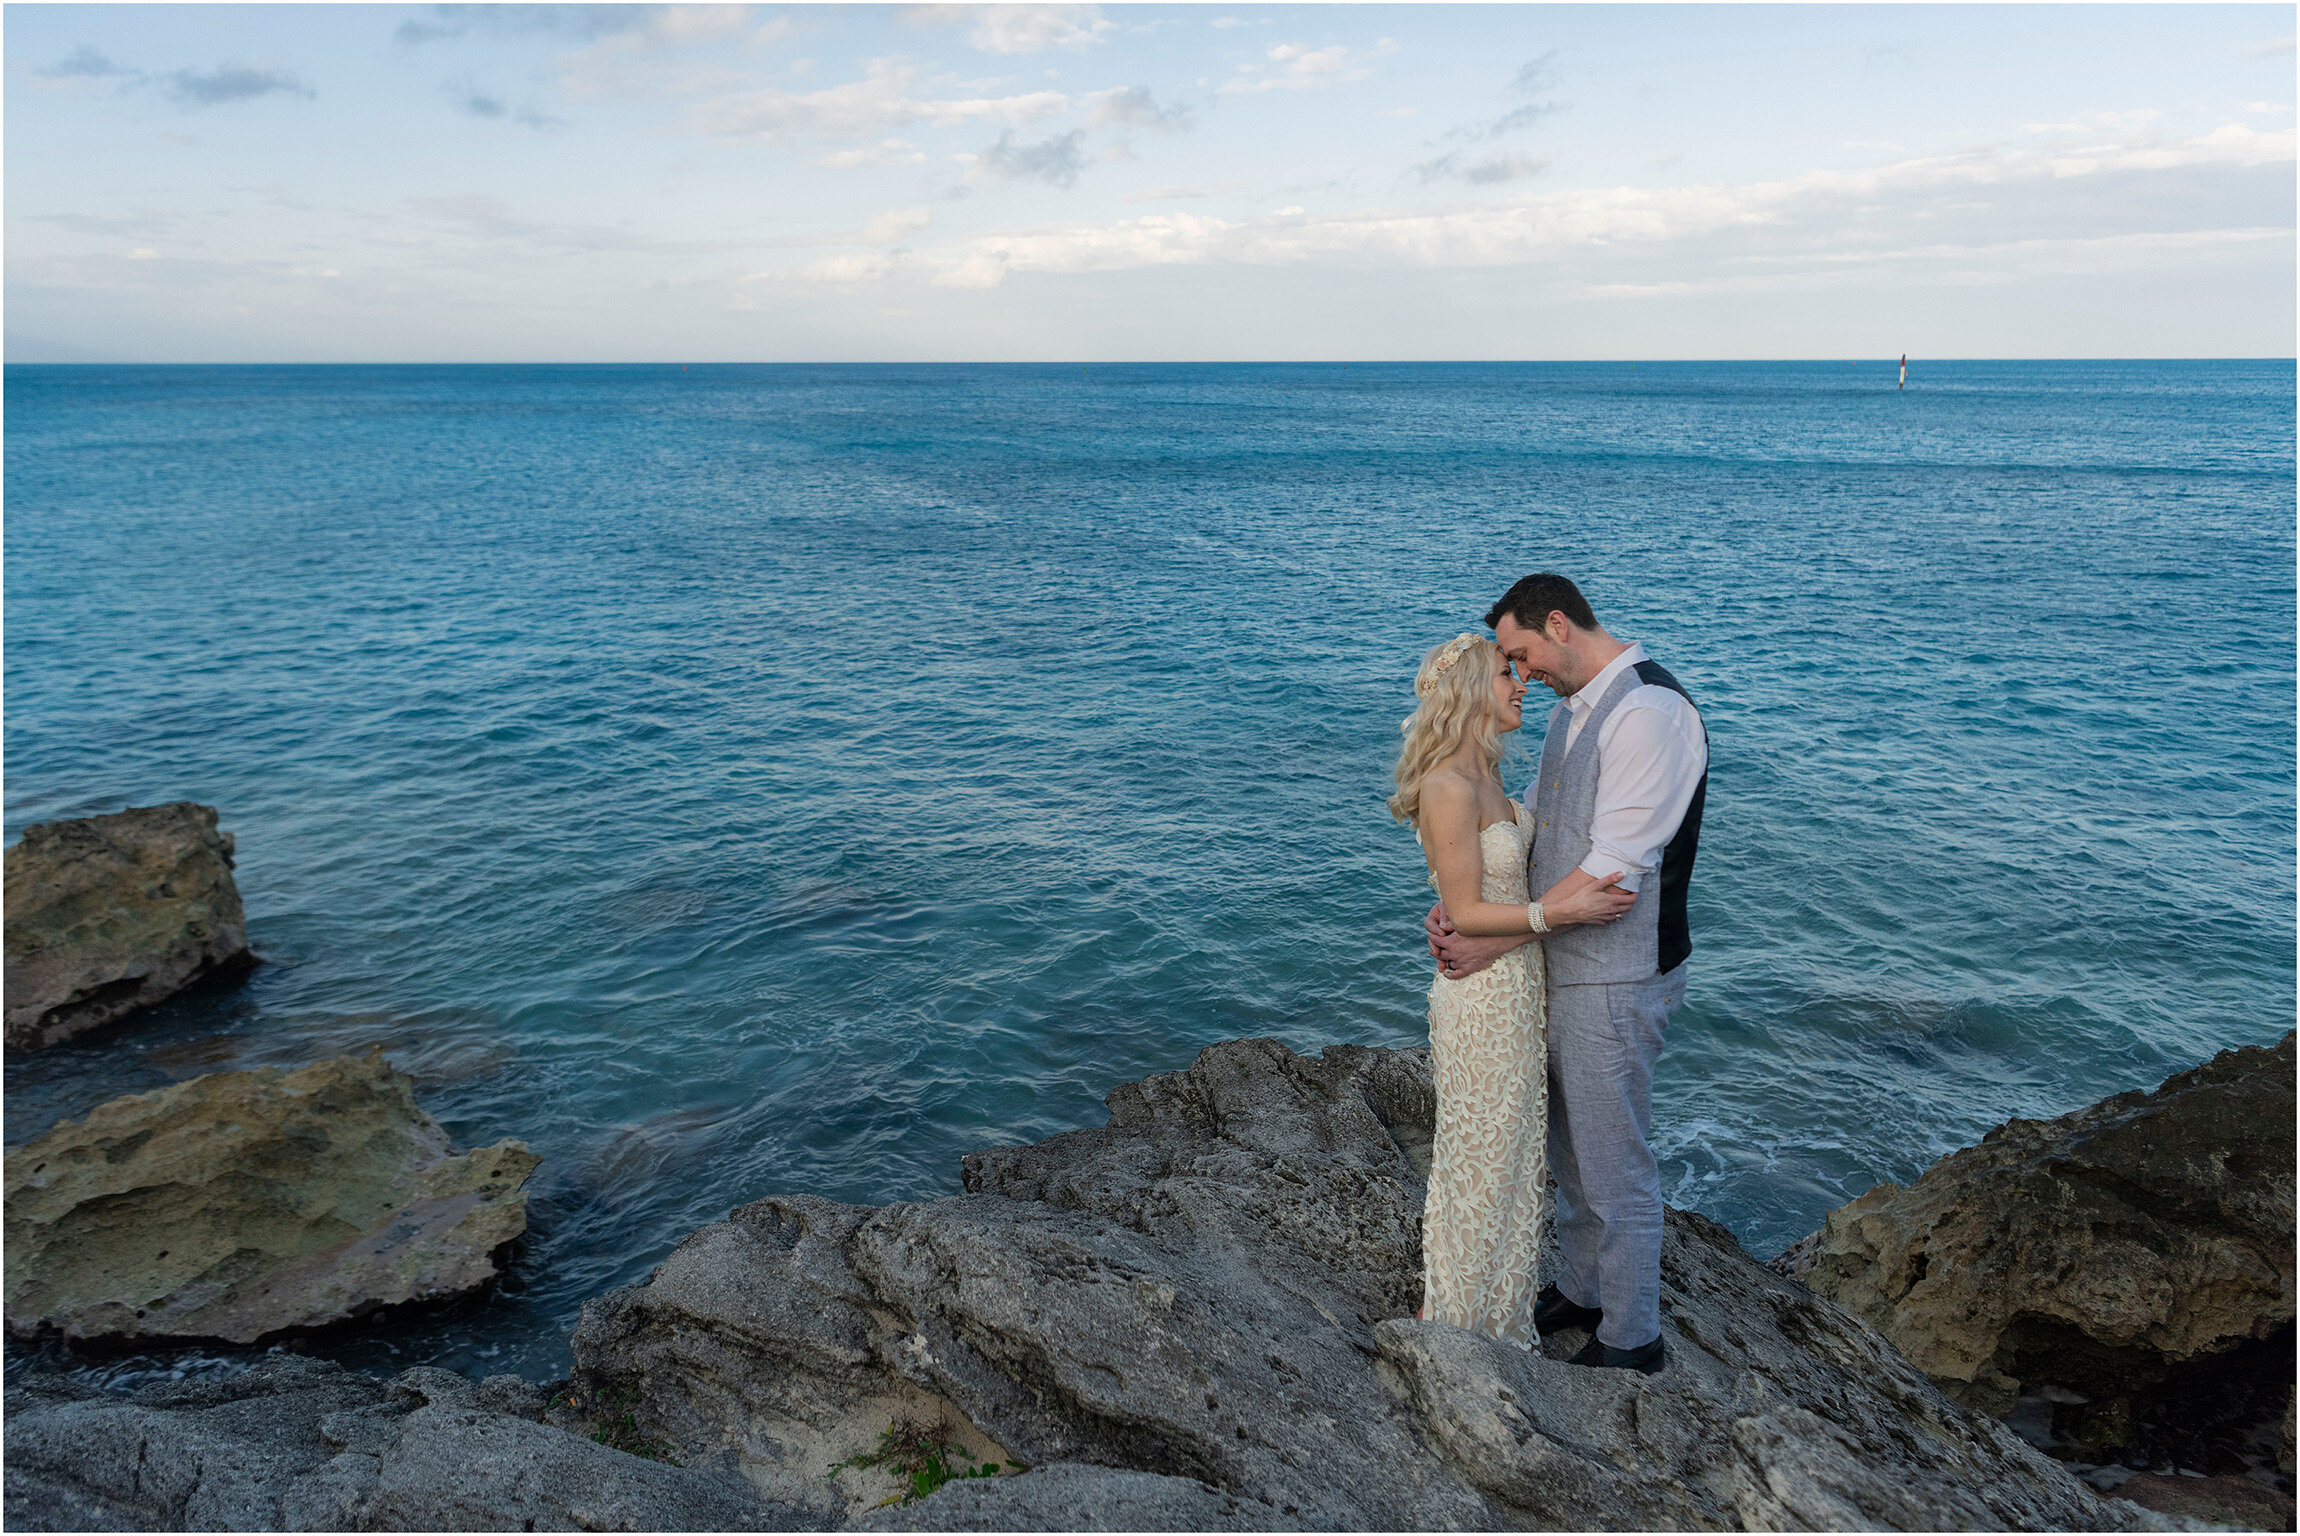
x: 1632, y: 947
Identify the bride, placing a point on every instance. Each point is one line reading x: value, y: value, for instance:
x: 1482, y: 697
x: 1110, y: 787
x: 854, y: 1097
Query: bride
x: 1489, y: 1171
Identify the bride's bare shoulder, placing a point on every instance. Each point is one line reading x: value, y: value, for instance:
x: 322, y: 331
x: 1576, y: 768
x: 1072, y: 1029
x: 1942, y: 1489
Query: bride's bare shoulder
x: 1448, y: 795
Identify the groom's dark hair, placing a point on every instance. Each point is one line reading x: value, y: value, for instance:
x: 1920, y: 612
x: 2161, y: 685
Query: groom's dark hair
x: 1534, y: 598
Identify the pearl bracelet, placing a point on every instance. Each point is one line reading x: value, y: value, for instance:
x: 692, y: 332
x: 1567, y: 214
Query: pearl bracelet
x: 1533, y: 916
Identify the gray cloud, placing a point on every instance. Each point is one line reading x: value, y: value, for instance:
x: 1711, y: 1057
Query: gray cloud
x: 1055, y: 162
x: 233, y: 82
x: 478, y: 103
x: 1504, y: 168
x: 1533, y: 76
x: 85, y: 63
x: 1496, y: 171
x: 1536, y: 75
x: 1135, y: 107
x: 1509, y: 122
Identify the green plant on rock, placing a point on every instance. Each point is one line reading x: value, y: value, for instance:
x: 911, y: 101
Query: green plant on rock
x: 615, y: 1424
x: 923, y: 1457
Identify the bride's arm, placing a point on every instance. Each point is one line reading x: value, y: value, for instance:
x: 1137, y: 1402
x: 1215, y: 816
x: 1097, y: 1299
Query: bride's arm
x: 1450, y: 841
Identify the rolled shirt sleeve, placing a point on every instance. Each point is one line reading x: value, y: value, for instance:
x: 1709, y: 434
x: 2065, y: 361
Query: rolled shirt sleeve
x: 1652, y: 755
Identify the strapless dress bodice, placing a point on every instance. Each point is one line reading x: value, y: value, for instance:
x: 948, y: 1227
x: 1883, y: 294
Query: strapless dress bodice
x: 1504, y: 846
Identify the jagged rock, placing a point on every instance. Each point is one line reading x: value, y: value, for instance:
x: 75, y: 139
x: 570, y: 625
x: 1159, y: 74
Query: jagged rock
x: 109, y: 914
x: 1073, y: 1496
x: 2225, y: 1500
x: 1214, y: 1293
x: 2097, y: 1252
x: 242, y: 1204
x: 302, y: 1445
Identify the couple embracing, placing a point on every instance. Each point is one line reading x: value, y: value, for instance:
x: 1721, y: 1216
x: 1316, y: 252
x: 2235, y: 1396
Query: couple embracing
x: 1561, y: 937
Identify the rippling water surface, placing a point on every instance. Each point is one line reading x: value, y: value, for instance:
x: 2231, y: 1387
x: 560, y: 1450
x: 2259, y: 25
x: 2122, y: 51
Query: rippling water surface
x: 753, y: 779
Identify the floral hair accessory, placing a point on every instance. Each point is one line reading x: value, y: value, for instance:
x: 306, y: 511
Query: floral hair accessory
x: 1445, y: 658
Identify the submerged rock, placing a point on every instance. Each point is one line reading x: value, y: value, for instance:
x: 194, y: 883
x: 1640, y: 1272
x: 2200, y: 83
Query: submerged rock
x: 1199, y: 1317
x: 301, y: 1445
x: 2141, y: 1246
x: 110, y: 914
x: 244, y: 1204
x: 2224, y: 1500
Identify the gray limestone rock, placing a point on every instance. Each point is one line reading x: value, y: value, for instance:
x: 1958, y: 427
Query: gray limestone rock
x: 1214, y: 1292
x: 110, y: 914
x: 301, y: 1445
x: 1197, y: 1317
x: 1074, y: 1496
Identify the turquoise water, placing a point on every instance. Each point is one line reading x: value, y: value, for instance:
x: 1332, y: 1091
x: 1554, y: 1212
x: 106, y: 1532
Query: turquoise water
x: 753, y: 779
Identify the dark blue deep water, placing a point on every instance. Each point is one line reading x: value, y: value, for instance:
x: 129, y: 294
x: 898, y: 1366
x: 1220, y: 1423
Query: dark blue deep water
x: 757, y: 779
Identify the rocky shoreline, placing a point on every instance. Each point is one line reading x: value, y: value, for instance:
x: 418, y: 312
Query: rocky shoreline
x: 1200, y: 1317
x: 1196, y: 1317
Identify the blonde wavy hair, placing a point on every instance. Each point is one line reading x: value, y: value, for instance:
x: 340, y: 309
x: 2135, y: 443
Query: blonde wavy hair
x: 1456, y: 706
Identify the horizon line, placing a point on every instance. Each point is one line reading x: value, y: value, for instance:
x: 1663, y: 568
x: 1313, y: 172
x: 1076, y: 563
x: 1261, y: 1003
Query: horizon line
x: 1891, y: 360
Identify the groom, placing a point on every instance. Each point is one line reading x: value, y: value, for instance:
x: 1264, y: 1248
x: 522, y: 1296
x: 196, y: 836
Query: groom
x: 1623, y: 773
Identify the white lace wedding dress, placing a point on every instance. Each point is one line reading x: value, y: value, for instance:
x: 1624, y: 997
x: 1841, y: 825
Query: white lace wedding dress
x: 1489, y: 1170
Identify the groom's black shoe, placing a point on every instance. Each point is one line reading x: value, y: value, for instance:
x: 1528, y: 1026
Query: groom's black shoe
x: 1645, y: 1357
x: 1552, y: 1311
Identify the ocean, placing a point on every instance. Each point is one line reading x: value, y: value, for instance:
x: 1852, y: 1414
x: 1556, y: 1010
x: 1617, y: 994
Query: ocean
x: 740, y: 780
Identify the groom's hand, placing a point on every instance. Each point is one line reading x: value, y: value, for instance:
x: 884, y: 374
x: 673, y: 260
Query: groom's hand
x: 1457, y: 954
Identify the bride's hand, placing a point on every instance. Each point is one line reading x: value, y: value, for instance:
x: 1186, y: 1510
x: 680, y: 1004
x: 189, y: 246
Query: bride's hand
x: 1599, y: 903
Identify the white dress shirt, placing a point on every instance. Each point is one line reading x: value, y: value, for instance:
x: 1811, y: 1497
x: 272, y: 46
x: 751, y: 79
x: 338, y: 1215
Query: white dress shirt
x: 1651, y: 754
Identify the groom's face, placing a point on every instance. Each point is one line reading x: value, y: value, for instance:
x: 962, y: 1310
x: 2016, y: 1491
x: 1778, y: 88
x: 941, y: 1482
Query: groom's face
x: 1537, y: 657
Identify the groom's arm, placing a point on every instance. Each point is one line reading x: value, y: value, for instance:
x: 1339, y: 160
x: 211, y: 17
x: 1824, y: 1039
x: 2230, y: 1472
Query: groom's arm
x: 1460, y: 955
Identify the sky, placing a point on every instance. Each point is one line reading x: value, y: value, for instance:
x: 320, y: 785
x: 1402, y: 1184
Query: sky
x: 620, y: 183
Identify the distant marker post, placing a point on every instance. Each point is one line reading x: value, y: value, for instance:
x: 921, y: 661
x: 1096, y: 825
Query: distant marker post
x: 1904, y: 384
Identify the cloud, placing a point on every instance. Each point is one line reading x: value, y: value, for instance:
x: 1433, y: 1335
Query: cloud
x: 1055, y: 162
x: 2054, y: 202
x: 884, y: 152
x: 855, y: 271
x: 448, y: 21
x: 640, y: 57
x: 2272, y: 48
x: 84, y: 63
x: 896, y: 224
x: 2100, y: 122
x: 233, y: 82
x: 1975, y: 264
x: 1302, y: 68
x: 489, y: 219
x: 881, y: 101
x: 1493, y: 171
x: 1509, y: 122
x: 1135, y: 107
x: 1180, y: 191
x: 1536, y: 75
x: 478, y: 103
x: 1016, y: 28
